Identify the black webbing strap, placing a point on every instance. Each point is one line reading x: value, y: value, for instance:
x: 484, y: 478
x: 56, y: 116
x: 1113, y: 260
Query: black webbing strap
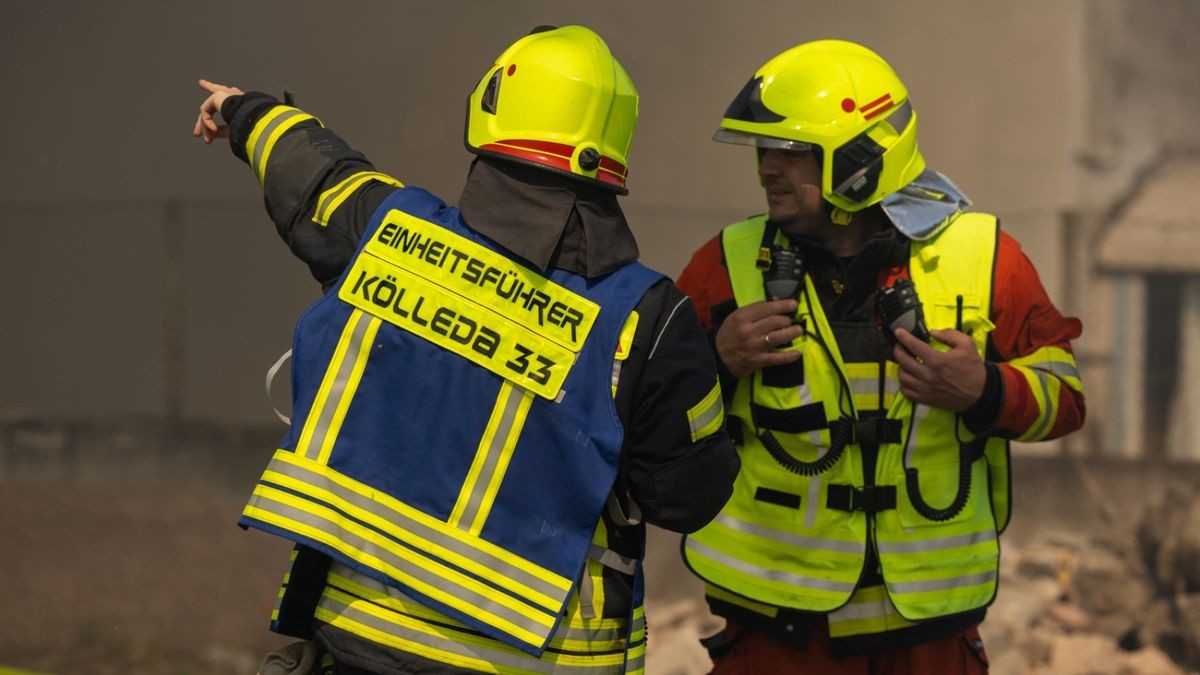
x: 869, y: 499
x: 792, y: 421
x: 787, y: 375
x: 877, y: 430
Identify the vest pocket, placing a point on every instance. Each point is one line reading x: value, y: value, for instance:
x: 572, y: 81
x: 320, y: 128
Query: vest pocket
x: 939, y: 485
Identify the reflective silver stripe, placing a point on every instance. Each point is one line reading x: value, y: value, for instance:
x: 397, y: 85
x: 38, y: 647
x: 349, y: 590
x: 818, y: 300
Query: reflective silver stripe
x: 491, y: 460
x: 347, y: 186
x: 706, y: 416
x: 942, y: 584
x: 260, y: 146
x: 872, y: 609
x: 416, y: 530
x: 1047, y: 416
x: 920, y: 412
x: 616, y: 373
x: 814, y: 484
x: 423, y: 571
x: 564, y: 631
x: 789, y: 538
x: 1056, y: 368
x: 492, y: 655
x: 330, y: 404
x: 613, y: 560
x: 769, y: 574
x: 938, y: 544
x: 637, y: 664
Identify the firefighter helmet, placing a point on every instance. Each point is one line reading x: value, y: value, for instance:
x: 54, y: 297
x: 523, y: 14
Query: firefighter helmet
x: 842, y: 99
x: 557, y: 99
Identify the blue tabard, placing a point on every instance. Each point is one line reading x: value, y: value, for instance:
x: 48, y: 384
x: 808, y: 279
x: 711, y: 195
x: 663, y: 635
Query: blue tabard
x: 467, y: 479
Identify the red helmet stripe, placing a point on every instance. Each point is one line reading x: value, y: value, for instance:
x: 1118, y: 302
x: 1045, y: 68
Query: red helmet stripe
x: 557, y: 156
x: 877, y: 107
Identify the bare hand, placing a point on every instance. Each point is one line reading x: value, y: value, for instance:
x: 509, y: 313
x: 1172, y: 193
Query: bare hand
x: 951, y: 380
x: 206, y: 125
x: 746, y: 340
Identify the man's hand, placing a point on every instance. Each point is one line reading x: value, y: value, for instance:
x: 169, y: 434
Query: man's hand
x: 206, y: 124
x: 746, y: 340
x: 952, y: 380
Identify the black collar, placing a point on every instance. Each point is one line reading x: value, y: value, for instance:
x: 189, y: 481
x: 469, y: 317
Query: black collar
x: 550, y: 221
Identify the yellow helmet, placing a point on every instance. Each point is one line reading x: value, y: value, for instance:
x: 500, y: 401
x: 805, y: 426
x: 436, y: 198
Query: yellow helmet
x: 557, y: 99
x: 845, y: 100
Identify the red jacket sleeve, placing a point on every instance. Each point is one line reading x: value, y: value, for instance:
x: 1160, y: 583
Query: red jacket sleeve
x: 706, y: 281
x: 1043, y: 394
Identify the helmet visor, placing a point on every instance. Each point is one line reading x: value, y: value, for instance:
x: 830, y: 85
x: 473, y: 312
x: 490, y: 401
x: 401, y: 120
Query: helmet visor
x: 764, y: 142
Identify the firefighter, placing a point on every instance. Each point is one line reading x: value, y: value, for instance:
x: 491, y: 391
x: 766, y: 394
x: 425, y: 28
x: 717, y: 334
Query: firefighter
x: 879, y: 345
x: 491, y: 400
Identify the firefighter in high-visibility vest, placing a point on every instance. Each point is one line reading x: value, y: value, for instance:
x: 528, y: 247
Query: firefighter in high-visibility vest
x: 879, y: 346
x: 490, y: 400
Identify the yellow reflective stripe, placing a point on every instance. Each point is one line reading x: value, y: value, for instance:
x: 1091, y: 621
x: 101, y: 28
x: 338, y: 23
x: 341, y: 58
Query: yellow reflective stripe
x: 331, y: 199
x: 1056, y: 361
x: 869, y: 611
x: 487, y: 278
x: 1045, y: 389
x: 458, y: 324
x: 734, y: 599
x: 863, y: 379
x: 343, y: 578
x: 572, y: 633
x: 478, y: 493
x: 447, y: 645
x: 266, y: 133
x: 427, y: 576
x: 926, y: 546
x: 337, y: 388
x: 624, y: 346
x: 949, y: 583
x: 768, y: 574
x: 411, y: 525
x: 707, y: 416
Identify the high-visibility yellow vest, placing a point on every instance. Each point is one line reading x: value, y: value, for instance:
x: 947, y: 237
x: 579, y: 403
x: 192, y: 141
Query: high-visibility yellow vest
x: 799, y: 541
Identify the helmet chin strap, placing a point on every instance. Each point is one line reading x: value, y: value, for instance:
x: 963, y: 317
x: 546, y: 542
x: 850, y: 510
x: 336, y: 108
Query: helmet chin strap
x: 838, y: 216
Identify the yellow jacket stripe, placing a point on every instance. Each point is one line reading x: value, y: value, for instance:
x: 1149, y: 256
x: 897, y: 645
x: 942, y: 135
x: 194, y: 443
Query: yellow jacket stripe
x: 335, y: 196
x: 1047, y: 370
x: 266, y: 133
x: 707, y: 416
x: 380, y: 615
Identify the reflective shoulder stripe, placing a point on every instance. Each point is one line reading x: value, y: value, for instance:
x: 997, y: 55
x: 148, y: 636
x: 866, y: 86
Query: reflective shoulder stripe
x: 707, y: 416
x: 267, y: 131
x: 624, y: 345
x: 335, y: 196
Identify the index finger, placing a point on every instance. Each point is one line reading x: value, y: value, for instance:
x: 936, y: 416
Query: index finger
x: 914, y: 345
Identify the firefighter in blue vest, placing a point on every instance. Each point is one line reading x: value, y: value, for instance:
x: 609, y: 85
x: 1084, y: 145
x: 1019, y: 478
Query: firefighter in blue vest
x: 879, y: 345
x: 490, y: 400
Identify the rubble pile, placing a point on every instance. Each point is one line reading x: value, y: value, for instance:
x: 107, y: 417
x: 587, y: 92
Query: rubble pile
x: 1126, y: 602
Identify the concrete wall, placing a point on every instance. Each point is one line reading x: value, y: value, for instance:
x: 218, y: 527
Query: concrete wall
x: 141, y: 276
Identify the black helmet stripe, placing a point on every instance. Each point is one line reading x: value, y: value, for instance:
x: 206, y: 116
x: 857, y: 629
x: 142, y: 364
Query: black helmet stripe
x: 747, y: 106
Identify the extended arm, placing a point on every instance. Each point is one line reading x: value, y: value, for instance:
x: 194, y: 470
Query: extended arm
x: 320, y: 193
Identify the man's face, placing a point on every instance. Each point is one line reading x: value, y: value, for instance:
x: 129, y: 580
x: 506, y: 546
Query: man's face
x: 792, y: 181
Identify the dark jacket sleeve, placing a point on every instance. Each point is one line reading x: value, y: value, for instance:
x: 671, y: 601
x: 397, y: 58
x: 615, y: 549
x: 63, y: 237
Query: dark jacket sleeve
x: 679, y: 463
x: 319, y: 192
